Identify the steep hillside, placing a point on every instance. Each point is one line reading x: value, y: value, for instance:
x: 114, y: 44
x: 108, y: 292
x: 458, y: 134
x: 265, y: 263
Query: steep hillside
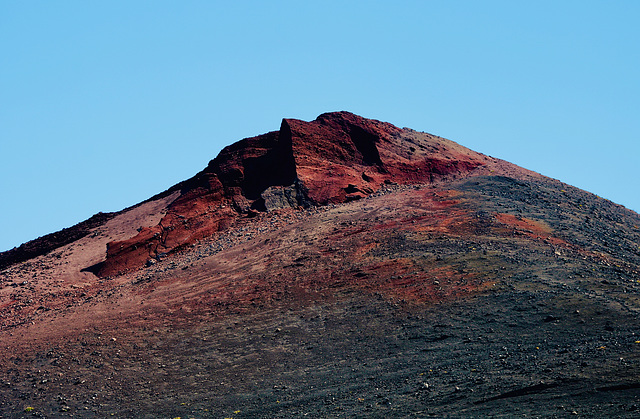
x: 335, y: 268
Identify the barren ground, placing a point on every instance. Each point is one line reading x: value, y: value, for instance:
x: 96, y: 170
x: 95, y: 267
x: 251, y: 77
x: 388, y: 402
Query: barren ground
x: 487, y: 297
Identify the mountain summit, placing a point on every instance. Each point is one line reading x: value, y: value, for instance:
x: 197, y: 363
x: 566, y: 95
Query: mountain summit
x: 337, y: 158
x: 342, y: 267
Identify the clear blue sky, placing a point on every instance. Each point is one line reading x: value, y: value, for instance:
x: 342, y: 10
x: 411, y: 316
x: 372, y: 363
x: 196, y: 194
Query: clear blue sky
x: 103, y: 104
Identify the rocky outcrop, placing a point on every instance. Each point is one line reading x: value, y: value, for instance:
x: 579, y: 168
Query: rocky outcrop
x: 336, y: 158
x: 277, y: 197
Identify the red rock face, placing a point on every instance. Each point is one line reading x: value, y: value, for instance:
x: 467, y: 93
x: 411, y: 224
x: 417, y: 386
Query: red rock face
x: 341, y: 156
x: 336, y: 158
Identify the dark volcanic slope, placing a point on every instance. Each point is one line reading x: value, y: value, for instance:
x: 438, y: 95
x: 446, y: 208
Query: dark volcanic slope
x: 456, y: 285
x: 45, y: 244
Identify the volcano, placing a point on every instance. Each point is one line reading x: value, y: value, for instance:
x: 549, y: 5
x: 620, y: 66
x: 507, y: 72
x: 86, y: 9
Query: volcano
x: 342, y: 267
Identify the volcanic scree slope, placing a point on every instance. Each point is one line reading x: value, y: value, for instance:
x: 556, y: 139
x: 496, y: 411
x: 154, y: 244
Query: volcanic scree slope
x: 334, y: 268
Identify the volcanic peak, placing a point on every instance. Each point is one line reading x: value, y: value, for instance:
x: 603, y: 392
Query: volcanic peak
x: 533, y: 283
x: 336, y: 158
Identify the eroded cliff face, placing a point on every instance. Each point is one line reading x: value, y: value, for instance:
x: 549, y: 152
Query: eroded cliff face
x: 336, y: 158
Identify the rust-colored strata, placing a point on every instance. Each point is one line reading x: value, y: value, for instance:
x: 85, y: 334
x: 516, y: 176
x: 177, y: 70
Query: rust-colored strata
x: 338, y: 157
